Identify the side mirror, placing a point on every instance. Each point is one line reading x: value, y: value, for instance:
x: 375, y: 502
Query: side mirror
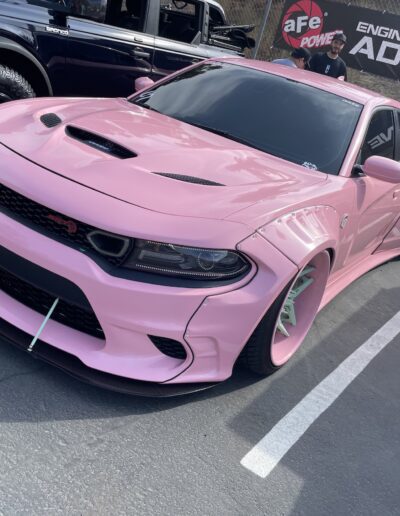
x: 381, y: 168
x: 143, y: 82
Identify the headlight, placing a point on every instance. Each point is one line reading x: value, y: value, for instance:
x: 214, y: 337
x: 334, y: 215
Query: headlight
x: 188, y: 262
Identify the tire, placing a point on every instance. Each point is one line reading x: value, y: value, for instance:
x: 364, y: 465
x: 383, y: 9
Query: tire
x: 268, y: 349
x: 13, y: 86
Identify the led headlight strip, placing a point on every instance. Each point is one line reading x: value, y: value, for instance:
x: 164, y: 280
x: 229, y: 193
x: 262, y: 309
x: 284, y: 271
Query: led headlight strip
x: 183, y: 261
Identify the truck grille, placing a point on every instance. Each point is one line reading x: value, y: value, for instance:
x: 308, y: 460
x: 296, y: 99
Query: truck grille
x: 40, y: 301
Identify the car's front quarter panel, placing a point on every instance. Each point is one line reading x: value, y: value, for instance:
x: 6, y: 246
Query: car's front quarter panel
x: 304, y: 233
x: 223, y: 324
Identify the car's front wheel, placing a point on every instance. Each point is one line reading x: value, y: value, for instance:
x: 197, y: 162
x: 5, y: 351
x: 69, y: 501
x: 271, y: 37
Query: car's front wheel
x: 13, y: 86
x: 283, y: 328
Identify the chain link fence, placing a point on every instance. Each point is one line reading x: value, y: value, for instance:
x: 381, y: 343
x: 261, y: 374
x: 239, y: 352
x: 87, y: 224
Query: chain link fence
x: 244, y: 12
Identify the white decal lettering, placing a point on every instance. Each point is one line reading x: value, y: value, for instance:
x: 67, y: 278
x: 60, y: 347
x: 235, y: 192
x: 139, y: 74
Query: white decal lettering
x: 302, y: 22
x: 378, y: 30
x: 381, y: 138
x: 314, y: 23
x: 381, y: 54
x: 289, y: 26
x: 362, y: 27
x: 364, y: 46
x: 318, y: 41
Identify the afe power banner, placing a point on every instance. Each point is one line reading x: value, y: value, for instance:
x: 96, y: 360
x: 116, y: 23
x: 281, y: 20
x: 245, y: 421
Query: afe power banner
x: 373, y: 38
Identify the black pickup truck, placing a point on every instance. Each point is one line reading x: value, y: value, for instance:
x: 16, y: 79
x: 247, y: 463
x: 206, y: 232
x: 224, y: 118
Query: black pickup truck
x: 99, y: 47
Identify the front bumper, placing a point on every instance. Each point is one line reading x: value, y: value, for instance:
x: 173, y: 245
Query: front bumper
x: 74, y: 367
x: 212, y: 324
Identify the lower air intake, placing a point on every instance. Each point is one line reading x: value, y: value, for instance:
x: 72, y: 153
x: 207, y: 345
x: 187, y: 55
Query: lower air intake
x: 170, y: 348
x: 40, y: 301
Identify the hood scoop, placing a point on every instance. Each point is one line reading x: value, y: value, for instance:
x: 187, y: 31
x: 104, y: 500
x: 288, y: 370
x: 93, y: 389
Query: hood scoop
x: 99, y: 143
x: 50, y: 120
x: 189, y: 179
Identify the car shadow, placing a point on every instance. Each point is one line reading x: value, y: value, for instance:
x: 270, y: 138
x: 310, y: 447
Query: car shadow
x: 337, y: 332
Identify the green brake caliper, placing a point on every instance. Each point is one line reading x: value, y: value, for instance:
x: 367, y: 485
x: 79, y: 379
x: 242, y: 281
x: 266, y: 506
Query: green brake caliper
x: 288, y: 312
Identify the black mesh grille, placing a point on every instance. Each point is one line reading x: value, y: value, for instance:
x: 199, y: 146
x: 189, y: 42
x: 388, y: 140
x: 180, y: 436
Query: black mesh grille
x: 169, y: 347
x: 50, y: 120
x: 40, y: 301
x: 51, y: 223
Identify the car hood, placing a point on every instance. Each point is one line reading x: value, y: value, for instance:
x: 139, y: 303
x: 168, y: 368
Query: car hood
x: 173, y: 168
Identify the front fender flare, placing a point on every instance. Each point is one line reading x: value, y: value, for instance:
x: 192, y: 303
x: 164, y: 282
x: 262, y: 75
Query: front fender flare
x: 8, y: 44
x: 303, y: 233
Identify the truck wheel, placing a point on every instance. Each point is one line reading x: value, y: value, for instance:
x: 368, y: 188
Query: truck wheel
x: 13, y: 86
x: 284, y: 327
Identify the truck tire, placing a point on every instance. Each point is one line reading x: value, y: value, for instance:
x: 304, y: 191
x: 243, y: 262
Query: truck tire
x: 13, y: 86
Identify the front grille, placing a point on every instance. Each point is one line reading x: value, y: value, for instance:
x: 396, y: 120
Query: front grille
x: 170, y: 348
x: 55, y: 225
x: 40, y: 301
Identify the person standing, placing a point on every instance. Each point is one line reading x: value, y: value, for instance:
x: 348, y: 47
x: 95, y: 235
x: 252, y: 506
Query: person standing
x: 329, y: 63
x: 299, y: 58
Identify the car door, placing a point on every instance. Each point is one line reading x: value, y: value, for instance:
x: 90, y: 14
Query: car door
x: 107, y: 50
x: 377, y: 203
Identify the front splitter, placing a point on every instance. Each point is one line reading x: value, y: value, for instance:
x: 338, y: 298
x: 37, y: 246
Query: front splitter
x: 74, y: 367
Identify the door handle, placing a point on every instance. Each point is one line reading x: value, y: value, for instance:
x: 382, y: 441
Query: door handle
x: 138, y: 52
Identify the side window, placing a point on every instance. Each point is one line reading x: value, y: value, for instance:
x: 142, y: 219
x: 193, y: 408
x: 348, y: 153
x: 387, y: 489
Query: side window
x: 127, y: 14
x: 216, y: 18
x: 92, y: 9
x: 179, y: 20
x: 380, y: 138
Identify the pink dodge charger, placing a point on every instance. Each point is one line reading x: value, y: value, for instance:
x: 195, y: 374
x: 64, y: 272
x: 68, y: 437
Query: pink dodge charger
x: 146, y: 244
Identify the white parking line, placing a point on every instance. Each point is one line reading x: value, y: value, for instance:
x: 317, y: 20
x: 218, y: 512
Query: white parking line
x: 265, y: 455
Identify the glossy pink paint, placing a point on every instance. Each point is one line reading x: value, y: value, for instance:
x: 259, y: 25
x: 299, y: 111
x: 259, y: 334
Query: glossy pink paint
x: 280, y: 215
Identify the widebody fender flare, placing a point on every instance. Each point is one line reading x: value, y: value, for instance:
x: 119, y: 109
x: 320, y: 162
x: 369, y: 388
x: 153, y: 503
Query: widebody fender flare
x: 13, y: 46
x: 303, y: 233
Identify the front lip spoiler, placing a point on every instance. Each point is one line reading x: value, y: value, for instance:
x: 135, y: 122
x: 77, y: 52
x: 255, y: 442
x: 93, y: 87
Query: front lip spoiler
x: 74, y: 367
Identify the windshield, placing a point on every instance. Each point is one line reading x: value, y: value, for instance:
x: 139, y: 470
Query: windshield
x: 279, y: 116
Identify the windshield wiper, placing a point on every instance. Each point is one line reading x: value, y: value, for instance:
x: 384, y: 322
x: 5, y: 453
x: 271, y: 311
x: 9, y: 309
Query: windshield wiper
x: 221, y: 132
x: 146, y: 106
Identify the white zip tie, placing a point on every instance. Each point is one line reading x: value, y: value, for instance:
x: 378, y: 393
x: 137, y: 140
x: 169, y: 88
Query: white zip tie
x: 49, y: 313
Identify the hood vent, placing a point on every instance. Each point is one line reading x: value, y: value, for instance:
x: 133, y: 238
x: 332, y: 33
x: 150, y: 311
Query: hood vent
x: 50, y: 120
x: 189, y: 179
x: 99, y: 143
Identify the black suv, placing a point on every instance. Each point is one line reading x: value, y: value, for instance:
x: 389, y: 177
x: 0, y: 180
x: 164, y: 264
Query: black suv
x: 99, y: 47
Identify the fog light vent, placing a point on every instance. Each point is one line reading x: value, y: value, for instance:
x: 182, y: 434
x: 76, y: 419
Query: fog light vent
x: 109, y: 244
x: 170, y: 348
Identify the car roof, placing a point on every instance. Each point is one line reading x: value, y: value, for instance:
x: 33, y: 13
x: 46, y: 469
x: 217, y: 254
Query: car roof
x: 341, y: 88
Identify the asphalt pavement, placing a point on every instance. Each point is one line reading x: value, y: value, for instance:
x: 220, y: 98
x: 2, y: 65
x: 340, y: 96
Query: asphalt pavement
x: 69, y: 448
